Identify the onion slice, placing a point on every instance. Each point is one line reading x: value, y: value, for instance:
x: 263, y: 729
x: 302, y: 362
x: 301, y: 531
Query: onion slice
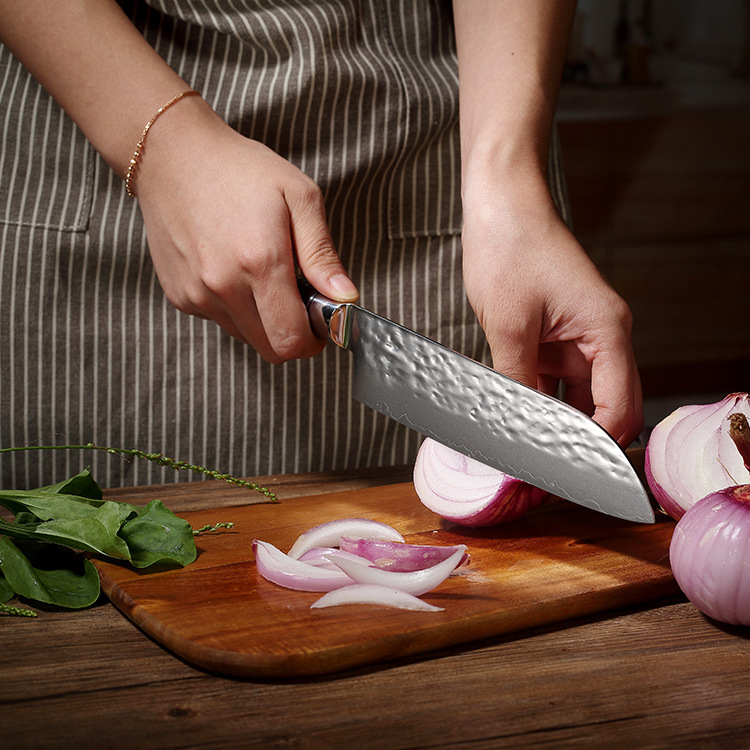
x: 415, y: 582
x: 319, y: 556
x: 467, y: 492
x: 360, y: 593
x: 284, y: 571
x: 397, y: 556
x: 328, y: 534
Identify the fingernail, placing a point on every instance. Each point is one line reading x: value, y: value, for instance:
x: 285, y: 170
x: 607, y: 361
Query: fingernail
x: 344, y: 287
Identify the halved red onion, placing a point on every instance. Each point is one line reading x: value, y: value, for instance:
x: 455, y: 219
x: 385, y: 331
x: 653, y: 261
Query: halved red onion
x: 361, y: 593
x: 283, y: 570
x: 416, y: 582
x: 328, y: 534
x: 397, y: 556
x: 690, y: 454
x: 467, y: 492
x: 709, y: 554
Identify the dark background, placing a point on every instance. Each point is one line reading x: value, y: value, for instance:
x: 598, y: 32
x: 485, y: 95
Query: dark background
x: 654, y: 120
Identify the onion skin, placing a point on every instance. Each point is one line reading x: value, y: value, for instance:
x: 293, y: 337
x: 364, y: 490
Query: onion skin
x: 710, y: 555
x: 690, y: 454
x: 467, y: 492
x: 739, y: 431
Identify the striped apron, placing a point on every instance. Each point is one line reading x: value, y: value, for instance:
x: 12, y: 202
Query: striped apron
x: 359, y: 94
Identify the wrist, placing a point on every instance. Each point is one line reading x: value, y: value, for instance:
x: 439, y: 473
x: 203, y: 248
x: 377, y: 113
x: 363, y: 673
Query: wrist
x: 495, y: 190
x: 171, y: 146
x: 132, y: 170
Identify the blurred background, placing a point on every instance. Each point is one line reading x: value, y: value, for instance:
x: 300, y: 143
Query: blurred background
x: 654, y: 121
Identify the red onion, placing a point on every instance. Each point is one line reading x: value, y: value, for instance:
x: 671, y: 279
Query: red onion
x: 397, y: 556
x: 362, y: 593
x: 416, y: 582
x: 328, y: 534
x: 325, y: 568
x: 467, y: 492
x: 320, y: 556
x: 284, y: 571
x: 691, y: 453
x: 710, y: 554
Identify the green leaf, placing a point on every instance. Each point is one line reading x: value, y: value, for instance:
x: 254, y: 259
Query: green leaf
x: 48, y: 505
x: 82, y: 485
x: 6, y: 592
x: 48, y: 573
x: 94, y: 530
x: 97, y: 532
x: 158, y: 536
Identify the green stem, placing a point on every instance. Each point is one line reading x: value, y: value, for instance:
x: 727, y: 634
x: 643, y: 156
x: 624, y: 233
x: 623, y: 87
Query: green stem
x: 156, y: 458
x: 9, y: 609
x: 209, y: 527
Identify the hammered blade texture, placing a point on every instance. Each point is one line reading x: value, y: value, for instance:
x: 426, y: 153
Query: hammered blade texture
x: 487, y: 416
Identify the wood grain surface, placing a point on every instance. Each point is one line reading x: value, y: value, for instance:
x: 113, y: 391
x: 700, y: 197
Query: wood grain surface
x: 659, y: 675
x: 557, y: 563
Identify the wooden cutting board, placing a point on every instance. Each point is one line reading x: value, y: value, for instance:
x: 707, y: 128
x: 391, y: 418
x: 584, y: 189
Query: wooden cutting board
x: 557, y: 563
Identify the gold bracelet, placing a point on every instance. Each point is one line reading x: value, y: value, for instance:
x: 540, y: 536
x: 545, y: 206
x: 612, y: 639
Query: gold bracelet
x: 130, y: 176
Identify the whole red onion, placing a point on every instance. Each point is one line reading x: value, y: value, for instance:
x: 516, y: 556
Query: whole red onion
x: 710, y: 554
x: 467, y: 492
x: 691, y: 453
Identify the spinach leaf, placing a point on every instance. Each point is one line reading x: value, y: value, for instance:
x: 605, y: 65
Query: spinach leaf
x: 92, y: 530
x: 47, y: 505
x: 82, y: 485
x: 6, y: 592
x: 49, y: 573
x: 156, y: 535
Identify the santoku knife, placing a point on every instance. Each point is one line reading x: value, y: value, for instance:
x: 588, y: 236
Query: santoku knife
x: 480, y: 412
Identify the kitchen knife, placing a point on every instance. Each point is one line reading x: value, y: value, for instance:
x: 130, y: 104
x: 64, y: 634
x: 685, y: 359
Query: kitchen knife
x: 480, y: 412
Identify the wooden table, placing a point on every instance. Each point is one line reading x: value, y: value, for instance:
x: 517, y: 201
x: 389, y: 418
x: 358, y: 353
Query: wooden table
x: 661, y: 676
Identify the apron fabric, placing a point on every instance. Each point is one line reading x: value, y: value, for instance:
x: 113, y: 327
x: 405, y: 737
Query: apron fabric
x: 359, y: 94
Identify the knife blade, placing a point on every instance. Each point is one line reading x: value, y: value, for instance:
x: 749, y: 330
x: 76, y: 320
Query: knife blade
x: 480, y: 412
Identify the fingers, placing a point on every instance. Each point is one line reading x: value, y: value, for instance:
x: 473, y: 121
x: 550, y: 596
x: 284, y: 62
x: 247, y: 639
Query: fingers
x: 316, y: 255
x: 224, y: 245
x: 599, y: 372
x: 616, y: 391
x: 514, y: 351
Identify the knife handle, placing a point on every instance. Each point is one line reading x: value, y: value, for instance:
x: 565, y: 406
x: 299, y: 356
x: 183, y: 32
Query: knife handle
x: 328, y: 319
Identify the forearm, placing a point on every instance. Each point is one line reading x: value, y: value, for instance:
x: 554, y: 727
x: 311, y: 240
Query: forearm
x: 510, y: 57
x: 95, y: 64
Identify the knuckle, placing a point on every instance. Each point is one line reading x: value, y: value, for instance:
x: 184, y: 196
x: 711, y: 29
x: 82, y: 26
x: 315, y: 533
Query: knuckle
x: 306, y: 194
x: 294, y: 346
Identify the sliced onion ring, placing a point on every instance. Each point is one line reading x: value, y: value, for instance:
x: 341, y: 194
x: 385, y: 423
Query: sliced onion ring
x: 284, y: 571
x: 397, y: 556
x: 361, y: 593
x: 467, y: 492
x: 416, y: 582
x: 328, y: 534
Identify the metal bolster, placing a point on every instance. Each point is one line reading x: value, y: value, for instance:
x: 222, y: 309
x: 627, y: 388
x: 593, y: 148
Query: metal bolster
x: 332, y: 320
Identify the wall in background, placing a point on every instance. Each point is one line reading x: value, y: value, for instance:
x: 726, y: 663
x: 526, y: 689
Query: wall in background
x: 658, y: 169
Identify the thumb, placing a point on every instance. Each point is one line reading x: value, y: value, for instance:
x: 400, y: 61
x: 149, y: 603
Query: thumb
x: 317, y: 257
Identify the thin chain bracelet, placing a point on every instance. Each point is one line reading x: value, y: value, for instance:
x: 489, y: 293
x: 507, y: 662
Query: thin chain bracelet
x: 130, y: 176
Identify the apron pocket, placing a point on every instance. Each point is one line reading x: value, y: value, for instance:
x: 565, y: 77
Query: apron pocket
x: 46, y: 163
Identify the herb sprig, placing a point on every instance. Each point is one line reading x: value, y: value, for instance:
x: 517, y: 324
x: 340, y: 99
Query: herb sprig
x: 42, y: 550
